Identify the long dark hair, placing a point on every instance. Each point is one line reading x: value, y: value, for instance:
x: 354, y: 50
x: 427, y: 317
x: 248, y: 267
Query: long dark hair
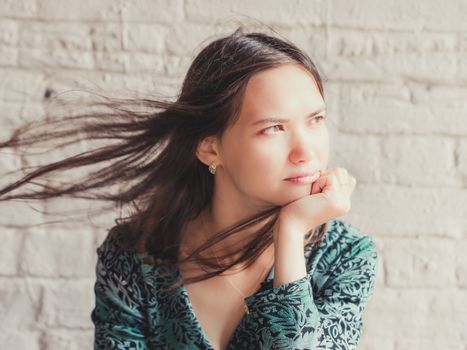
x: 153, y: 154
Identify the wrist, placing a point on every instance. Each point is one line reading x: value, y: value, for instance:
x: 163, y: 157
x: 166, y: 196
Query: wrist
x: 288, y: 231
x: 289, y: 247
x: 291, y: 228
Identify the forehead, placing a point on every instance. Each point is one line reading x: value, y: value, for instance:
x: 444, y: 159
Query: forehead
x: 281, y: 91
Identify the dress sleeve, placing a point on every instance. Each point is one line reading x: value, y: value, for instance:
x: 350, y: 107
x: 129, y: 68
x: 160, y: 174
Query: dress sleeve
x: 118, y: 316
x: 292, y: 316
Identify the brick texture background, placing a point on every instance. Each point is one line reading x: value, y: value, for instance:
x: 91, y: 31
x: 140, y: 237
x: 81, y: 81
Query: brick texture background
x: 396, y: 88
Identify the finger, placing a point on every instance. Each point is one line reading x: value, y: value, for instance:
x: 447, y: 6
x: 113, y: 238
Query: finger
x: 331, y: 182
x: 326, y: 181
x: 318, y: 185
x: 342, y: 175
x: 348, y: 189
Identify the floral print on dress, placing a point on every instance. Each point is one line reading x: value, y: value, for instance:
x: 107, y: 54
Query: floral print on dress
x: 134, y: 309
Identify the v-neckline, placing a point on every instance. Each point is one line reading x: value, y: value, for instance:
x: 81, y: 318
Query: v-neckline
x: 267, y: 282
x: 195, y: 319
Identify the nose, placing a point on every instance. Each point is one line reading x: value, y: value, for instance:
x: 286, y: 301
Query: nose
x: 301, y: 149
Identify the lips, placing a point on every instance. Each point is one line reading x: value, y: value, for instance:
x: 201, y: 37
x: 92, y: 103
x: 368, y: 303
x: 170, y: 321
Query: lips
x: 304, y: 178
x: 307, y: 174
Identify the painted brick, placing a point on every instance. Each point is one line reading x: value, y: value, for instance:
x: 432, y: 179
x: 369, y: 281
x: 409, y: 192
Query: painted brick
x: 8, y: 56
x: 412, y: 109
x: 42, y: 58
x: 50, y: 253
x: 403, y: 160
x: 19, y: 85
x: 10, y: 251
x: 398, y: 14
x: 55, y: 36
x: 395, y: 78
x: 13, y: 339
x: 411, y: 263
x: 20, y: 301
x: 145, y: 37
x: 408, y: 211
x: 22, y: 9
x: 179, y: 43
x: 365, y: 43
x: 20, y: 215
x: 106, y: 36
x: 85, y: 10
x: 405, y: 313
x: 438, y: 68
x: 273, y: 12
x: 153, y: 11
x: 8, y: 33
x: 424, y: 161
x: 67, y: 304
x: 353, y: 151
x: 69, y: 339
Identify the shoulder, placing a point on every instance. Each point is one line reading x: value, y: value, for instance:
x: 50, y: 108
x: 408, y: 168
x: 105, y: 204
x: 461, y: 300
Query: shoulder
x: 112, y: 242
x: 119, y: 289
x: 114, y: 256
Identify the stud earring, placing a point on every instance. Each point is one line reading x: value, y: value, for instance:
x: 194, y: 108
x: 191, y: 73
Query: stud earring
x: 212, y: 168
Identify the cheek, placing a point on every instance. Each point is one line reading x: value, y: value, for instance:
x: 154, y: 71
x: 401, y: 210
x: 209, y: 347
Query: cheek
x: 270, y: 152
x: 255, y: 162
x: 262, y: 167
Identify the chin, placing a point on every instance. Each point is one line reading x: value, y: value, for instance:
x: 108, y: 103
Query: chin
x: 282, y: 197
x: 292, y: 196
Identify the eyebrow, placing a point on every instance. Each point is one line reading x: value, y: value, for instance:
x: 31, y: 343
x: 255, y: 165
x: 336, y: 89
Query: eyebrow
x: 279, y: 120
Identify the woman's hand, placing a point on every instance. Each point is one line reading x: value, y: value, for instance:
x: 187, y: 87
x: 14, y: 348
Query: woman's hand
x: 329, y: 198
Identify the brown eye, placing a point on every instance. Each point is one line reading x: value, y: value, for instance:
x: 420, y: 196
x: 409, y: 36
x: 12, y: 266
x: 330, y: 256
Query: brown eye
x: 319, y: 118
x: 271, y: 128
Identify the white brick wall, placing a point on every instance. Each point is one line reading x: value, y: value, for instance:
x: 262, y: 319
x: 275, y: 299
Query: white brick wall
x: 397, y: 92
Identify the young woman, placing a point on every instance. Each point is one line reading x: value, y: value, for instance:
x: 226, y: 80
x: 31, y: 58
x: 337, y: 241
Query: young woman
x: 233, y: 241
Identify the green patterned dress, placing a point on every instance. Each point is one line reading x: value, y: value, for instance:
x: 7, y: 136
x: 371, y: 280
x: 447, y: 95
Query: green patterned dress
x: 135, y: 310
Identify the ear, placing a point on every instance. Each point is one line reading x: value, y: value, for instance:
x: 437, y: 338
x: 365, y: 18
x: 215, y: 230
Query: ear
x: 208, y: 151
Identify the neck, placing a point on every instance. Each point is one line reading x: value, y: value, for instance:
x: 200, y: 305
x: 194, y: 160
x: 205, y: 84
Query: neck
x: 209, y: 223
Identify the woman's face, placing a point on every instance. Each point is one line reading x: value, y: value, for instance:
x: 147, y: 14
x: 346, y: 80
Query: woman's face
x: 280, y: 134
